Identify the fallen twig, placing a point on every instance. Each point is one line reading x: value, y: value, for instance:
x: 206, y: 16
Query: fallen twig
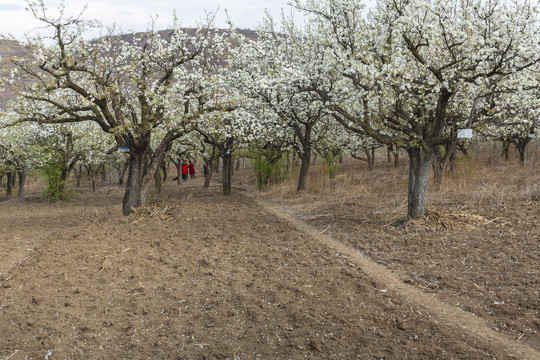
x: 156, y: 329
x: 133, y: 337
x: 10, y: 356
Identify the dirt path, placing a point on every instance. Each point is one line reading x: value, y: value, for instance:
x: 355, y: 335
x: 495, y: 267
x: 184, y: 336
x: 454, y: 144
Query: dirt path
x: 202, y: 276
x: 427, y: 303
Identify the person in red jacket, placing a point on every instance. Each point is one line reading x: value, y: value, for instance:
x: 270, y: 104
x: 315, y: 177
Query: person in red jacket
x: 191, y: 170
x: 184, y: 171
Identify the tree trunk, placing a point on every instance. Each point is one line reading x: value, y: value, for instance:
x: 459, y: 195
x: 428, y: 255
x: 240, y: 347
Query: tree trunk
x: 389, y: 152
x: 227, y: 172
x: 521, y: 146
x: 237, y: 164
x: 65, y: 173
x: 209, y: 173
x: 438, y: 173
x: 419, y: 164
x: 67, y: 167
x: 122, y: 173
x: 522, y: 156
x: 178, y: 172
x: 157, y: 180
x: 453, y: 164
x: 505, y: 150
x: 22, y: 181
x: 93, y: 174
x: 102, y: 171
x: 396, y: 157
x: 304, y: 168
x: 216, y: 168
x: 210, y: 167
x: 78, y: 176
x: 288, y: 165
x: 136, y: 193
x: 164, y: 170
x: 442, y: 155
x: 370, y: 156
x: 9, y: 183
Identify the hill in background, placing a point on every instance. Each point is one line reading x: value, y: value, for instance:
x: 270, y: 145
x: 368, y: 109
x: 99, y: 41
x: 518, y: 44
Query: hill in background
x: 9, y: 49
x: 13, y: 48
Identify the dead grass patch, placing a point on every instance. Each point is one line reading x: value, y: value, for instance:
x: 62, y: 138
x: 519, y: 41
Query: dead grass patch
x: 154, y: 212
x: 483, y: 180
x: 435, y: 220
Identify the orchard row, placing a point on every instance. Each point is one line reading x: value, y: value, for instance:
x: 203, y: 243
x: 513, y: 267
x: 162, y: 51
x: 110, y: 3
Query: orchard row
x: 417, y: 75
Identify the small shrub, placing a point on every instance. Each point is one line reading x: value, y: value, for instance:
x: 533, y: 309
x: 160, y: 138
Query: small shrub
x: 56, y: 186
x: 330, y: 165
x: 269, y: 166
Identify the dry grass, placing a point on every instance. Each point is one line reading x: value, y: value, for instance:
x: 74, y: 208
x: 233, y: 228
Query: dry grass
x: 155, y: 212
x: 484, y: 179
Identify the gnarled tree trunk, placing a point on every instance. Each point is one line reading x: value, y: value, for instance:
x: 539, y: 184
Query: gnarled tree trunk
x: 137, y: 186
x: 419, y: 164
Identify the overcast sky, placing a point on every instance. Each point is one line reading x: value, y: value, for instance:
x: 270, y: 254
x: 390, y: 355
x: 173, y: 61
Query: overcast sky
x: 135, y: 14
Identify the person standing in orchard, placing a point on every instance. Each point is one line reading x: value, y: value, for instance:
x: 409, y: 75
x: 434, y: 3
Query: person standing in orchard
x: 191, y: 170
x: 184, y: 171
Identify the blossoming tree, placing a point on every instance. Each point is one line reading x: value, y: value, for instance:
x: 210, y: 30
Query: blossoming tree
x: 142, y: 88
x: 397, y: 71
x: 274, y: 71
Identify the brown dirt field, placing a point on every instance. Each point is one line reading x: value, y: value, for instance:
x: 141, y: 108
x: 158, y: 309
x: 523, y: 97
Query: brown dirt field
x: 483, y: 259
x: 202, y: 276
x: 478, y: 248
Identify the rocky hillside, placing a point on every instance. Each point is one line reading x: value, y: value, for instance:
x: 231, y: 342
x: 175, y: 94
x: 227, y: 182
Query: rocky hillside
x: 8, y: 49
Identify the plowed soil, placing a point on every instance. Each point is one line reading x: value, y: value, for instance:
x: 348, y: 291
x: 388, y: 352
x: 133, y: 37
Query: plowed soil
x: 197, y: 275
